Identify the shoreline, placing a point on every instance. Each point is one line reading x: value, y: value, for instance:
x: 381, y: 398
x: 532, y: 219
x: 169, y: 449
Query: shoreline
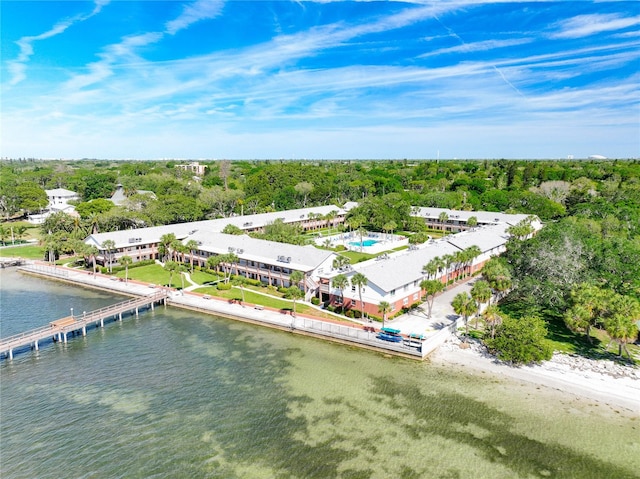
x: 616, y: 386
x: 577, y: 376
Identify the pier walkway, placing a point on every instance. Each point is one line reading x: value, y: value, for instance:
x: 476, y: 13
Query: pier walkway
x: 58, y: 330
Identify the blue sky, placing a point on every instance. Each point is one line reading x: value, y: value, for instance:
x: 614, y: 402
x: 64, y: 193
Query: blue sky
x: 258, y: 79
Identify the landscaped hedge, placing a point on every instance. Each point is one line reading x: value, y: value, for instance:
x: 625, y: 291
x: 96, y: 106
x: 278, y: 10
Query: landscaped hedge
x: 224, y: 286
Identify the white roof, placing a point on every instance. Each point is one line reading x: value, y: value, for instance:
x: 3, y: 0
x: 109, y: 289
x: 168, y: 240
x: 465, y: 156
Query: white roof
x: 483, y: 217
x: 486, y: 238
x: 398, y: 270
x: 60, y: 192
x: 301, y: 258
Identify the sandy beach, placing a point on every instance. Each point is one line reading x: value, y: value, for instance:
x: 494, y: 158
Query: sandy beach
x: 603, y: 381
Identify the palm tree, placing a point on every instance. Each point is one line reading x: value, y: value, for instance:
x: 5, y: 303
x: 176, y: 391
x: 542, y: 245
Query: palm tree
x: 52, y: 246
x: 109, y: 246
x: 361, y: 233
x: 340, y: 262
x: 359, y: 281
x: 432, y: 267
x: 19, y: 231
x: 295, y: 278
x: 390, y: 226
x: 239, y: 281
x: 431, y: 287
x: 91, y: 251
x: 472, y: 222
x: 621, y: 326
x: 471, y: 253
x: 465, y: 306
x: 171, y: 267
x: 384, y: 308
x: 192, y: 246
x: 589, y: 307
x: 182, y: 269
x: 213, y: 262
x: 229, y: 260
x: 447, y: 261
x: 126, y: 261
x: 493, y: 318
x: 294, y: 293
x: 481, y: 293
x: 340, y: 282
x: 164, y: 247
x: 459, y: 259
x: 443, y: 218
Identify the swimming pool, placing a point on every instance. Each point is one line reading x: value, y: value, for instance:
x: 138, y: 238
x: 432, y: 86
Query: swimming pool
x: 367, y: 242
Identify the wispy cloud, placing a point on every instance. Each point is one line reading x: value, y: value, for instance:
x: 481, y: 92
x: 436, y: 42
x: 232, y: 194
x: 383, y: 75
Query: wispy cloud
x: 18, y: 67
x: 587, y: 25
x: 362, y: 84
x: 195, y: 12
x: 480, y: 46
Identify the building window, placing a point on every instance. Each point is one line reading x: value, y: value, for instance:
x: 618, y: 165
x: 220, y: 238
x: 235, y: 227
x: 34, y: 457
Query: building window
x: 392, y: 292
x: 405, y: 301
x: 415, y: 297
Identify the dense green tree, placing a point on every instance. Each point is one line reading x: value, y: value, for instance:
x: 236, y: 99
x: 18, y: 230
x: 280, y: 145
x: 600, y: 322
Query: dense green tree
x: 99, y: 185
x: 589, y: 304
x: 232, y: 230
x: 94, y: 207
x: 521, y: 341
x: 31, y: 197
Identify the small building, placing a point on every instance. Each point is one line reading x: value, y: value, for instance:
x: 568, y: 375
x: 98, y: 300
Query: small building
x: 194, y: 167
x: 59, y: 199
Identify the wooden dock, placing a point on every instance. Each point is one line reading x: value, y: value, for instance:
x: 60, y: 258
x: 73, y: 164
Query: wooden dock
x: 59, y: 329
x: 9, y: 262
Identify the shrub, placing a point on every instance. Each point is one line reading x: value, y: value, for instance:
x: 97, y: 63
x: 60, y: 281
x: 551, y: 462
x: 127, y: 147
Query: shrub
x: 224, y: 286
x: 315, y: 301
x: 521, y: 341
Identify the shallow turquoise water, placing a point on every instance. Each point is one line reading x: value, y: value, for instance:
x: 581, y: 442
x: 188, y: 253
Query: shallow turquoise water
x: 368, y: 242
x: 177, y: 394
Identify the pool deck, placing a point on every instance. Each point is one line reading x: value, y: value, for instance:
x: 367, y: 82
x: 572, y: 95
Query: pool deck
x: 351, y: 241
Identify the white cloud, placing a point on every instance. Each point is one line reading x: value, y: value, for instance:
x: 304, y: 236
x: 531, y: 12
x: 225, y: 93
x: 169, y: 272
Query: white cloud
x: 195, y: 12
x: 587, y: 25
x: 18, y: 67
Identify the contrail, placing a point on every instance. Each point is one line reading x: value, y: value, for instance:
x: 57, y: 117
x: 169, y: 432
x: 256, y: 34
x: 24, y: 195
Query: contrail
x: 462, y: 42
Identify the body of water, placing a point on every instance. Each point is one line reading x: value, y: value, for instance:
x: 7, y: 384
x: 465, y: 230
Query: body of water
x: 367, y: 242
x: 175, y: 394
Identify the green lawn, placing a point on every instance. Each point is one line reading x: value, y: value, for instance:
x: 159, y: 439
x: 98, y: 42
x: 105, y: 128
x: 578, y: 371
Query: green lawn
x: 32, y: 231
x: 152, y: 273
x: 201, y: 277
x: 271, y: 302
x: 356, y: 256
x: 28, y: 251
